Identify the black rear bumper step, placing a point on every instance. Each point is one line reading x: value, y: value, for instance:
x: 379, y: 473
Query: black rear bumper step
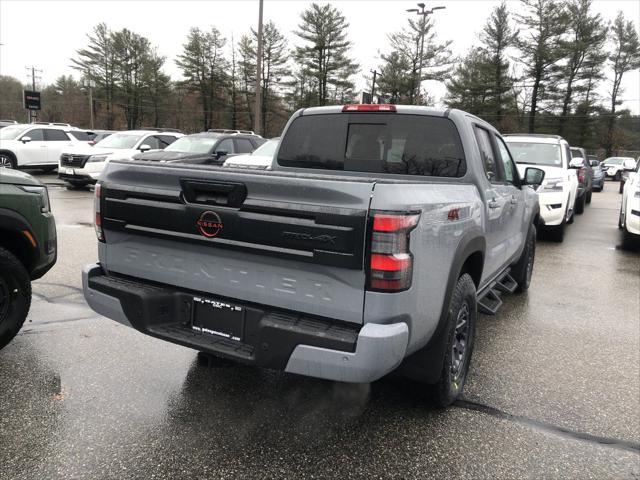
x: 270, y: 335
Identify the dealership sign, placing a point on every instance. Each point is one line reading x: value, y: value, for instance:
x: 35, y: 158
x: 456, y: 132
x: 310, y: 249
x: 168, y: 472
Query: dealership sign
x: 31, y: 100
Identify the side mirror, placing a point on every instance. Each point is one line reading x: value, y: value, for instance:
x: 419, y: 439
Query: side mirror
x: 221, y: 153
x: 25, y: 139
x: 144, y: 148
x: 534, y: 176
x: 575, y: 163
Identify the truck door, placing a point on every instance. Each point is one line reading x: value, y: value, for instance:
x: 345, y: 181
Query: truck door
x: 497, y: 206
x: 511, y: 188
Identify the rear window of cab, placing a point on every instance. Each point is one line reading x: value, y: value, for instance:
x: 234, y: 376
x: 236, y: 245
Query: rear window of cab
x: 388, y: 143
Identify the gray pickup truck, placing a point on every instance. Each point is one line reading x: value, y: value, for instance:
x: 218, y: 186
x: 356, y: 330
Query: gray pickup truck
x: 369, y: 247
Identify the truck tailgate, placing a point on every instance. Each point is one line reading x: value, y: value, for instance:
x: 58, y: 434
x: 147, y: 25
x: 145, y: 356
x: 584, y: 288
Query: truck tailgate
x: 291, y: 242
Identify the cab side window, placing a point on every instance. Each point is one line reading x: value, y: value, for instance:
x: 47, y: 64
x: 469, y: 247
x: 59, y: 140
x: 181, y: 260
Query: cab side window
x: 152, y: 141
x: 243, y: 145
x: 507, y: 163
x: 488, y: 156
x: 36, y: 135
x: 226, y: 145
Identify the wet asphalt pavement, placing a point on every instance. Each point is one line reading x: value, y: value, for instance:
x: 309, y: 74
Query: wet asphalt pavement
x: 554, y: 388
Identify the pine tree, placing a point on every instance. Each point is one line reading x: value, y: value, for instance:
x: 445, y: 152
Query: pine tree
x: 544, y: 21
x: 497, y: 37
x: 324, y: 56
x: 410, y: 59
x: 586, y: 38
x: 204, y: 67
x: 470, y: 86
x: 624, y: 57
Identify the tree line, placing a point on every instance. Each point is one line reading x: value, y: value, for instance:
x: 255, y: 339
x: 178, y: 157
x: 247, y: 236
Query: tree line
x: 536, y: 71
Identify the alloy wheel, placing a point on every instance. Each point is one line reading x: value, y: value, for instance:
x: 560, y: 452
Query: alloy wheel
x: 5, y: 162
x: 460, y: 342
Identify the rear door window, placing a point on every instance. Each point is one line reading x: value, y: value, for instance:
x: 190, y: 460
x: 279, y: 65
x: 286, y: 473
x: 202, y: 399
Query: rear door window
x: 36, y: 135
x: 226, y: 145
x: 52, y: 135
x: 165, y: 140
x: 377, y: 142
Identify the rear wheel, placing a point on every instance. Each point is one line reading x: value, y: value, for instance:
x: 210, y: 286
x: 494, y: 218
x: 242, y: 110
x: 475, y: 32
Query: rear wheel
x: 460, y: 332
x: 7, y: 161
x: 589, y: 194
x: 15, y: 296
x: 523, y: 269
x: 76, y: 184
x: 579, y: 208
x: 621, y: 187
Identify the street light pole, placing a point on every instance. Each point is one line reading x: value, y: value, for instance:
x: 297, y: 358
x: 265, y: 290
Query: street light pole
x: 257, y: 119
x: 423, y: 23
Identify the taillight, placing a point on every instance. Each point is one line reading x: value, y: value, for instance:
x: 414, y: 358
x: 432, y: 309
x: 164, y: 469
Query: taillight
x: 581, y: 174
x: 369, y: 108
x: 98, y: 219
x: 390, y: 260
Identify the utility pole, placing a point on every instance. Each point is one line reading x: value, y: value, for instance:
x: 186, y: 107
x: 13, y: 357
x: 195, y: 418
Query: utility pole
x: 89, y: 83
x: 373, y: 85
x: 257, y: 118
x: 423, y: 23
x: 32, y: 115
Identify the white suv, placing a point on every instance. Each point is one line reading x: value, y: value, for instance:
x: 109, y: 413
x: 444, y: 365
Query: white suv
x: 82, y: 165
x: 629, y: 220
x: 614, y: 166
x: 37, y: 146
x: 557, y: 194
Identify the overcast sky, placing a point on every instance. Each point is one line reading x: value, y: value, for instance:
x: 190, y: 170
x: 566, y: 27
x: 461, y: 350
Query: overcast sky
x: 47, y: 33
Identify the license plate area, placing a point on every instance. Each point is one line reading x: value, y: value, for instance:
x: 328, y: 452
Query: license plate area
x: 222, y: 319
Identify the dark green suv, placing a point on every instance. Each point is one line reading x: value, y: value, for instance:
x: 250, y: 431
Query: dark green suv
x: 27, y: 246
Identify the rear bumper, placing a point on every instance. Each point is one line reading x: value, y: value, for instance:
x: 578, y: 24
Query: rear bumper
x: 272, y: 338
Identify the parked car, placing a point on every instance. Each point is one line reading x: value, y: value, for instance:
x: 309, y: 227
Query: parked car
x: 259, y: 159
x: 598, y: 175
x: 629, y: 219
x: 371, y: 246
x: 627, y: 168
x: 6, y: 123
x: 580, y: 163
x: 82, y: 165
x: 27, y: 246
x: 100, y: 135
x: 205, y: 148
x: 34, y: 145
x: 559, y: 190
x: 615, y: 165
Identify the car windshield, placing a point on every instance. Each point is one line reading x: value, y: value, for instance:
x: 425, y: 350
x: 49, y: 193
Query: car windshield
x: 119, y: 140
x: 268, y: 148
x: 192, y: 144
x: 536, y: 153
x: 11, y: 133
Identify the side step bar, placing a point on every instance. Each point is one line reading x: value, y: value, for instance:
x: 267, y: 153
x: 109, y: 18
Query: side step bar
x: 489, y: 300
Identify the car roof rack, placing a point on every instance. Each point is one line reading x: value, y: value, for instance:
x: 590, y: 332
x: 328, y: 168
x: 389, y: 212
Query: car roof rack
x: 231, y: 132
x: 54, y: 124
x: 161, y: 129
x: 539, y: 135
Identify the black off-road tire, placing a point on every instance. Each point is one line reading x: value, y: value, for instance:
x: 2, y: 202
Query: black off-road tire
x: 463, y: 302
x: 589, y: 195
x: 580, y: 202
x: 15, y: 296
x: 557, y: 233
x: 73, y: 184
x: 523, y: 269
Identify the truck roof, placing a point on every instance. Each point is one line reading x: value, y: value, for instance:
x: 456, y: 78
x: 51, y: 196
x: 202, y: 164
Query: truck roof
x: 534, y: 138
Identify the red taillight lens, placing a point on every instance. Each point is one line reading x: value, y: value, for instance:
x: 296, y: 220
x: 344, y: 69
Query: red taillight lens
x: 369, y: 108
x: 390, y: 261
x: 581, y: 174
x: 98, y: 216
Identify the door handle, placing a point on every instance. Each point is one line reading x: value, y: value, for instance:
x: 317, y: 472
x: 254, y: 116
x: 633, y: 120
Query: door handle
x: 493, y: 204
x: 514, y: 200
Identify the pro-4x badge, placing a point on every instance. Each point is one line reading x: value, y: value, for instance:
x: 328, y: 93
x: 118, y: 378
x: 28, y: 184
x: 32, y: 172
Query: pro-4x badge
x: 209, y: 224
